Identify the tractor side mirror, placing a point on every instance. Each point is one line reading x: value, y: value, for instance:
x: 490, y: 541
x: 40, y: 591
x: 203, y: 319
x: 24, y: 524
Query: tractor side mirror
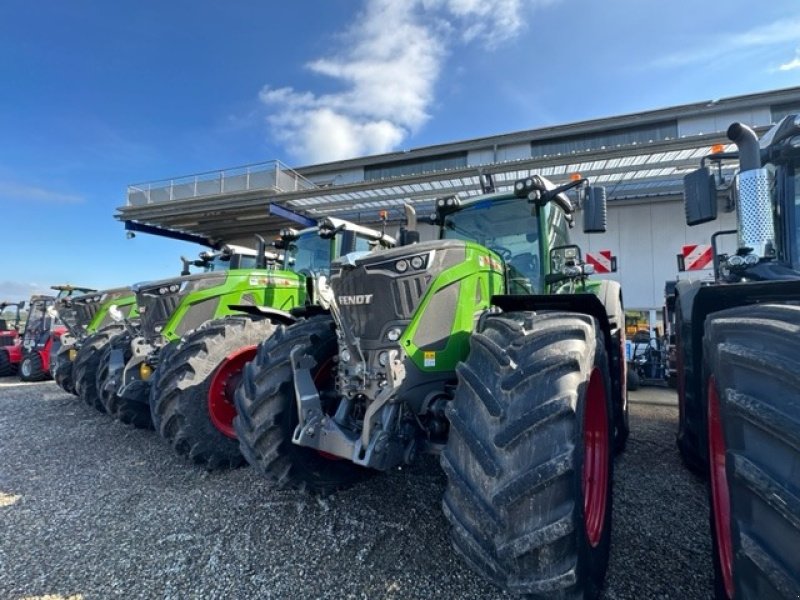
x: 594, y: 210
x: 700, y: 196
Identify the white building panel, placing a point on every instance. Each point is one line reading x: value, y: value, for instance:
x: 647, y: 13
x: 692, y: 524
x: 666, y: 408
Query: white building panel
x: 646, y: 239
x: 486, y: 156
x: 713, y: 123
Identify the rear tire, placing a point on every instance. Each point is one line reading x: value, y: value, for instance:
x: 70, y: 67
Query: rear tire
x: 752, y: 370
x: 84, y: 369
x: 529, y: 459
x: 195, y: 403
x: 267, y: 412
x: 32, y: 368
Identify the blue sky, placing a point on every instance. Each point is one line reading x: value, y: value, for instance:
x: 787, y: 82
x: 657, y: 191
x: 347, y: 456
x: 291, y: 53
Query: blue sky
x: 98, y: 95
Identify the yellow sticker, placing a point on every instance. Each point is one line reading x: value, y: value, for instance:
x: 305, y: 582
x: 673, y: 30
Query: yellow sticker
x: 430, y: 359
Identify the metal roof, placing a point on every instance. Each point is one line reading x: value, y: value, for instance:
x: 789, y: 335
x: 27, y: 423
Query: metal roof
x: 233, y: 204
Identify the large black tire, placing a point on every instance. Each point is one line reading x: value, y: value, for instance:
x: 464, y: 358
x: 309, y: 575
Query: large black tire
x: 633, y: 379
x: 195, y: 403
x: 32, y: 368
x: 6, y: 367
x: 164, y: 357
x: 752, y: 373
x: 84, y: 369
x: 267, y: 411
x: 516, y: 457
x: 691, y: 439
x: 610, y: 294
x: 131, y: 411
x: 63, y: 369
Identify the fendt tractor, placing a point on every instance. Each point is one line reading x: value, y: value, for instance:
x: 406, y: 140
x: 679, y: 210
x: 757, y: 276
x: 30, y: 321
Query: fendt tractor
x: 738, y: 351
x: 9, y: 336
x: 41, y: 331
x: 95, y: 325
x: 488, y: 346
x: 192, y: 398
x: 84, y: 315
x: 113, y: 367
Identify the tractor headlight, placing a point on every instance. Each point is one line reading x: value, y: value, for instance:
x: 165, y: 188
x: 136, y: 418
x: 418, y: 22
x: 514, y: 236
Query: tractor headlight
x: 401, y: 266
x: 417, y: 262
x: 383, y: 358
x: 751, y: 259
x: 345, y: 355
x: 735, y: 261
x: 393, y: 334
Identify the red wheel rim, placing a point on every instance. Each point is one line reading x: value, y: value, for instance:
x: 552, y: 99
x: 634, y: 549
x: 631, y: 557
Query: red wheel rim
x: 720, y: 499
x: 595, y: 476
x: 221, y: 408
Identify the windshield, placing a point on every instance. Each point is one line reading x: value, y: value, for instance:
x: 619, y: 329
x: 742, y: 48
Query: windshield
x: 309, y: 253
x: 218, y: 264
x: 508, y: 228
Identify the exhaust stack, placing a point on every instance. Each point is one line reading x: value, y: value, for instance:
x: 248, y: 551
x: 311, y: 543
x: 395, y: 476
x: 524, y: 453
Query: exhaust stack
x: 755, y: 222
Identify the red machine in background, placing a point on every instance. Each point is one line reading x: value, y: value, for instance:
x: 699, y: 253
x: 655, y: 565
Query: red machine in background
x: 9, y: 336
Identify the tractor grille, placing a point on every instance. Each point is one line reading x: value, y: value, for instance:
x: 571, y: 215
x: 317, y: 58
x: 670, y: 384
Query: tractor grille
x: 85, y: 312
x: 156, y: 309
x: 394, y: 296
x: 7, y: 340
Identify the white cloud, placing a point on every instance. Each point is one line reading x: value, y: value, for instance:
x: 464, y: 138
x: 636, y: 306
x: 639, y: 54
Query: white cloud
x: 792, y: 64
x: 723, y: 45
x: 15, y: 192
x: 388, y: 68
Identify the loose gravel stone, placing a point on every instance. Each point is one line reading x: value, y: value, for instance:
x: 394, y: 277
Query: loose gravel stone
x: 92, y: 509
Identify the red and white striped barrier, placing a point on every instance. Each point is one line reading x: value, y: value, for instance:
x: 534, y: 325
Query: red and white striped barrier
x: 602, y: 261
x: 697, y: 256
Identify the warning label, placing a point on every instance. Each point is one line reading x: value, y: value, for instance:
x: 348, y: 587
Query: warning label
x: 430, y: 359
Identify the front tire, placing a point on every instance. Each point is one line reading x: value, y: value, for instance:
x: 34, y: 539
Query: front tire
x: 195, y: 400
x: 529, y: 459
x: 125, y: 409
x: 32, y: 368
x: 87, y: 361
x: 6, y: 366
x: 267, y: 411
x: 63, y: 369
x: 752, y: 374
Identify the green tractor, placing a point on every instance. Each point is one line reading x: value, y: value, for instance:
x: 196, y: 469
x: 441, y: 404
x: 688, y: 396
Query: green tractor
x: 83, y: 316
x: 489, y: 347
x: 192, y: 398
x: 113, y: 369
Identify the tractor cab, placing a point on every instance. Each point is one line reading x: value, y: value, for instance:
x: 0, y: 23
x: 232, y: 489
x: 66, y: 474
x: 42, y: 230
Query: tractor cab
x: 527, y: 229
x: 10, y: 316
x: 39, y: 323
x: 310, y: 251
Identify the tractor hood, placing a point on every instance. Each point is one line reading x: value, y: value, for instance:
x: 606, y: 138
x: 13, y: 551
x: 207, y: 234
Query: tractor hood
x: 376, y: 289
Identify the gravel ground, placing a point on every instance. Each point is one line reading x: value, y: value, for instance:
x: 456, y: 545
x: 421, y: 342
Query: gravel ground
x: 92, y: 509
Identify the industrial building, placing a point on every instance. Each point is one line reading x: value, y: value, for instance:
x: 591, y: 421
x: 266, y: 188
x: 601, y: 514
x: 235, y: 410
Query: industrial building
x: 640, y: 158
